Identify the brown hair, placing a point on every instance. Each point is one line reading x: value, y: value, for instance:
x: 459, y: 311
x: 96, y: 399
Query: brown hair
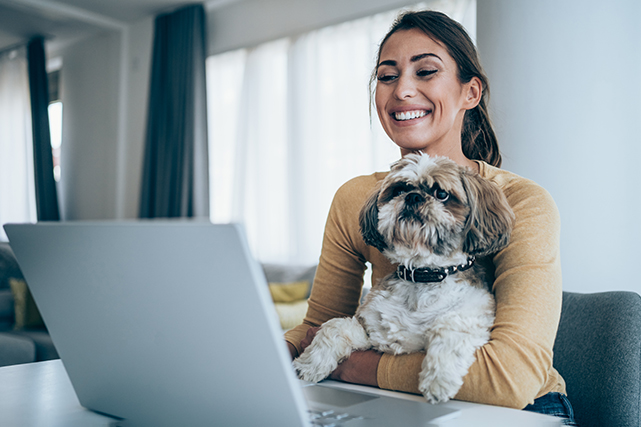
x: 477, y: 136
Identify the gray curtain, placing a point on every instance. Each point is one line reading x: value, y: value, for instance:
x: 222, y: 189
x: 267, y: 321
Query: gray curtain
x: 175, y: 180
x: 46, y: 194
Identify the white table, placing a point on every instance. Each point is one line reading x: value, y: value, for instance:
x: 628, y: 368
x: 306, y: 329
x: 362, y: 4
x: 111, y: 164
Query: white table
x: 40, y: 394
x: 472, y: 414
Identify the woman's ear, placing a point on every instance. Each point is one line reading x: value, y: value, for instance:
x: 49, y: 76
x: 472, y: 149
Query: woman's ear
x: 368, y: 219
x: 491, y: 219
x: 473, y: 93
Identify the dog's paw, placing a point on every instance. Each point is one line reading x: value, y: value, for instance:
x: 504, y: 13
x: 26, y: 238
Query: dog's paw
x: 333, y: 343
x: 435, y: 393
x: 312, y: 367
x: 437, y: 389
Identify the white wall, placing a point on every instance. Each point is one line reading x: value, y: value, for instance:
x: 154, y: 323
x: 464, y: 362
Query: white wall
x: 89, y: 91
x: 139, y: 50
x: 566, y: 97
x: 104, y: 87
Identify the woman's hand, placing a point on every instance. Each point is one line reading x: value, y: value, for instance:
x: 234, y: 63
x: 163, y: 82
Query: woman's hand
x: 309, y: 337
x: 360, y: 368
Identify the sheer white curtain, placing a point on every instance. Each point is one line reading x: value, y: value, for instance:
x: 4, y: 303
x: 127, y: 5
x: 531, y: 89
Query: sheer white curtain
x: 289, y: 123
x: 17, y: 188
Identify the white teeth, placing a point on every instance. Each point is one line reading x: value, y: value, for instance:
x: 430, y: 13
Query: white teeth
x: 408, y: 115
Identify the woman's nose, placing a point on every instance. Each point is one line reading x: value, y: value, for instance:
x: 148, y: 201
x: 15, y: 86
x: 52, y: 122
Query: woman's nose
x: 405, y: 87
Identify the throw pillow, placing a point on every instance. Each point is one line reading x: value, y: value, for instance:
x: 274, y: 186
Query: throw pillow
x: 289, y: 292
x: 26, y: 311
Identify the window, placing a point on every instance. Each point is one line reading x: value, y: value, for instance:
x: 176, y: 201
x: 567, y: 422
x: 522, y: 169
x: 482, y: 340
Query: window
x: 55, y: 118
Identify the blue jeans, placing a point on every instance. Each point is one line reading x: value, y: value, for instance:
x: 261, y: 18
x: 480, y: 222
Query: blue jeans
x: 556, y: 404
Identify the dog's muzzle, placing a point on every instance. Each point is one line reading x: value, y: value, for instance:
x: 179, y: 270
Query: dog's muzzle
x: 432, y: 275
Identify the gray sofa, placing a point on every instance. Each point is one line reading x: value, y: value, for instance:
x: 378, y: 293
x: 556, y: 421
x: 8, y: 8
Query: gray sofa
x: 23, y: 335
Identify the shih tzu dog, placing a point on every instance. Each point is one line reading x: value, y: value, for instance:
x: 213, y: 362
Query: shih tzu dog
x: 434, y: 219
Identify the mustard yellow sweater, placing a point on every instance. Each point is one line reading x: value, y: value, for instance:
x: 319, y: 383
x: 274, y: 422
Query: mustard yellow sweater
x: 515, y: 366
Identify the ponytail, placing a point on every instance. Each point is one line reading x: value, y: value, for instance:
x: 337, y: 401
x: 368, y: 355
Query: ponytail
x: 478, y: 139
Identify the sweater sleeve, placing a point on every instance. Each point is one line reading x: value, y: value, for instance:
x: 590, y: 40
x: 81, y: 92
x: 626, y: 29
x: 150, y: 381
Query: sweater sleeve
x: 515, y: 366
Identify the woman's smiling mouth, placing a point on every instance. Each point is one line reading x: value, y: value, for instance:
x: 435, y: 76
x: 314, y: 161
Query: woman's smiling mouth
x: 409, y: 115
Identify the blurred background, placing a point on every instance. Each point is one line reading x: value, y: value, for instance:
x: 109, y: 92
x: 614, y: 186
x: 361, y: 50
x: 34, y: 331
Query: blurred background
x: 287, y: 112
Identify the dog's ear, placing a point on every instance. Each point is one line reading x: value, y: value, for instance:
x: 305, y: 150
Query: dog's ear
x: 368, y: 219
x: 490, y: 220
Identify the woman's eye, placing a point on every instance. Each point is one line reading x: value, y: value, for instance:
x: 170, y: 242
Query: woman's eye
x: 441, y: 195
x: 425, y: 73
x: 386, y: 78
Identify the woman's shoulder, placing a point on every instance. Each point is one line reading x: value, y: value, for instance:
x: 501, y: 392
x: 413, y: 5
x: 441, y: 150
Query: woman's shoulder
x: 517, y: 189
x: 358, y: 189
x: 532, y: 204
x: 343, y: 219
x: 350, y: 198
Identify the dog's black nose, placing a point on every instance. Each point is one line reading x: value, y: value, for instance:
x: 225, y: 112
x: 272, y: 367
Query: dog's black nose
x: 413, y: 199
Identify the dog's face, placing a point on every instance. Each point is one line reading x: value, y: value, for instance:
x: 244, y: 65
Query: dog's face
x: 431, y: 208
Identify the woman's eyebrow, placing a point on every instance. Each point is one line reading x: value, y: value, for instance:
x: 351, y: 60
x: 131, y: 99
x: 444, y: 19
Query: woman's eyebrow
x: 414, y: 58
x: 389, y: 62
x: 423, y: 55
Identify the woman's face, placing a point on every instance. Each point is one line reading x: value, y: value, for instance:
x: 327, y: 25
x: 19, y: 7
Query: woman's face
x: 419, y: 98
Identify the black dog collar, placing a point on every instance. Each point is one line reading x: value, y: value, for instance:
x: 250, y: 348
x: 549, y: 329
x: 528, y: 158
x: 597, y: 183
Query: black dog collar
x: 431, y: 275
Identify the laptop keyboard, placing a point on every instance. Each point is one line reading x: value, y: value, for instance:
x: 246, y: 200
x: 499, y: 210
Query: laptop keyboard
x: 330, y: 418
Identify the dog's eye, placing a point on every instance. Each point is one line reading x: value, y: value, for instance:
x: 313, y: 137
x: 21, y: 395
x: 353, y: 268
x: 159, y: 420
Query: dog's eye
x: 441, y: 195
x: 401, y: 189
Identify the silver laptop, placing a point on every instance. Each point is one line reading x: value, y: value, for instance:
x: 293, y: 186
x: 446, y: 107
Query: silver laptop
x: 171, y: 324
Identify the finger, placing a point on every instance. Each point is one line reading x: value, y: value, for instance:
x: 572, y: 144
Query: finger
x: 311, y: 332
x: 309, y: 337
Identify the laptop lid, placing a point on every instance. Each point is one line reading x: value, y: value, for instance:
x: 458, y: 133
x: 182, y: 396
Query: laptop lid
x: 161, y: 323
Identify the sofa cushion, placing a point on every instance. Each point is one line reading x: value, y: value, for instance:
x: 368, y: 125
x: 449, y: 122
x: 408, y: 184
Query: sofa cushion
x: 15, y: 349
x: 291, y: 314
x: 45, y: 350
